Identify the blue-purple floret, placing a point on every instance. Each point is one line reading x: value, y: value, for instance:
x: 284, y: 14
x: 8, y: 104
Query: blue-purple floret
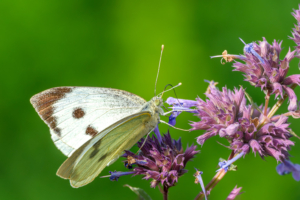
x: 287, y: 167
x: 162, y: 162
x: 234, y: 193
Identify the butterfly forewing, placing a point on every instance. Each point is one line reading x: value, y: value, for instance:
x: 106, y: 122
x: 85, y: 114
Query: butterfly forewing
x: 77, y: 114
x: 88, y: 161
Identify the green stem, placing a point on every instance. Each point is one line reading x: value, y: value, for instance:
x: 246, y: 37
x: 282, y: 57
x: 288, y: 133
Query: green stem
x: 266, y: 103
x: 216, y: 179
x: 275, y: 108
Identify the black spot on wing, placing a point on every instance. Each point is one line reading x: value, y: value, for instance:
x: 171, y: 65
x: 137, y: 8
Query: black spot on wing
x: 57, y: 131
x: 78, y: 113
x: 91, y: 131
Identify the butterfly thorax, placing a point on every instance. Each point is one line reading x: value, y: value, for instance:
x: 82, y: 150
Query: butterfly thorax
x: 154, y: 107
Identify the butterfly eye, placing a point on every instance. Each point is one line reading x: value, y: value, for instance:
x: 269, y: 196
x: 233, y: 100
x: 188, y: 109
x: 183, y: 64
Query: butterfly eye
x: 157, y: 102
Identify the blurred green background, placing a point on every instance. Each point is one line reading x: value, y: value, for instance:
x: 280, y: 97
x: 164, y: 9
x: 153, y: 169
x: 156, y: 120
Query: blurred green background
x: 45, y: 44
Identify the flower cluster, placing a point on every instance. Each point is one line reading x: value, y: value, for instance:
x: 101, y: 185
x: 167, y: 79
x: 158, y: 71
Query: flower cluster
x: 264, y: 69
x: 225, y: 113
x: 296, y: 30
x: 162, y: 162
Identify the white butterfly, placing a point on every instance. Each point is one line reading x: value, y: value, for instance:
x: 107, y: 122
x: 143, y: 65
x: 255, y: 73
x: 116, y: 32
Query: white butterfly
x: 93, y: 126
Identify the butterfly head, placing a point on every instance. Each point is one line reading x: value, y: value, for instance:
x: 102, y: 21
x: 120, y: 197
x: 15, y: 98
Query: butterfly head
x: 157, y: 101
x: 154, y: 106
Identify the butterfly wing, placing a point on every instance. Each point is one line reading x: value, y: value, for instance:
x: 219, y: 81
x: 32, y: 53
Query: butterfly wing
x: 88, y: 161
x: 77, y: 114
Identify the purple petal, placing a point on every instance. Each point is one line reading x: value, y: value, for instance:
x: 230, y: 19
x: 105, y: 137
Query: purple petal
x: 179, y: 160
x: 290, y: 55
x: 234, y: 193
x: 292, y: 98
x: 255, y: 147
x: 287, y: 167
x: 245, y: 148
x: 279, y: 156
x: 296, y: 114
x: 202, y: 138
x: 230, y: 130
x: 277, y: 89
x: 283, y: 69
x: 172, y: 177
x: 265, y: 47
x: 152, y: 174
x: 189, y: 153
x: 181, y: 102
x: 293, y: 79
x: 262, y: 83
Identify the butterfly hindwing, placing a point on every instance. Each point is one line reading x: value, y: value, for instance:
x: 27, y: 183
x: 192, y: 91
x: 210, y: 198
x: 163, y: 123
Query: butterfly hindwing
x: 77, y: 114
x: 89, y: 160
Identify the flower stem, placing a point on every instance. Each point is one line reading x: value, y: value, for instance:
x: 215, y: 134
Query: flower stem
x: 212, y: 183
x: 279, y: 103
x: 165, y: 192
x: 216, y: 179
x: 275, y: 108
x: 266, y: 103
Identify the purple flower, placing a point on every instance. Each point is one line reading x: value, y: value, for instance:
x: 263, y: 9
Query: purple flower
x: 161, y: 162
x: 234, y: 193
x: 219, y: 113
x: 226, y: 114
x: 179, y: 105
x: 263, y: 68
x: 287, y: 167
x: 296, y: 30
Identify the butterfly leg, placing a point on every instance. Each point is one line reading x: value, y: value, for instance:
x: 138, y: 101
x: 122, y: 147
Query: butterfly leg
x: 144, y: 141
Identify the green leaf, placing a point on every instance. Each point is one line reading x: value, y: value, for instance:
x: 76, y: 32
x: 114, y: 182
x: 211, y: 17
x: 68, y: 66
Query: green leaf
x: 142, y: 195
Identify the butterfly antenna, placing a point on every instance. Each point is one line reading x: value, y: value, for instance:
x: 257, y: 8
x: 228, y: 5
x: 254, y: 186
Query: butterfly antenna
x: 174, y: 91
x: 162, y: 49
x: 179, y: 84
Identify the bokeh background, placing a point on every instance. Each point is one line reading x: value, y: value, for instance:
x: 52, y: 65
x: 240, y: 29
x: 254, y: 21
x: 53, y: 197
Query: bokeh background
x: 44, y: 44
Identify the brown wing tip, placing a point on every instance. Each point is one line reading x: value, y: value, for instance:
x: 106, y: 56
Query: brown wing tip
x: 48, y: 97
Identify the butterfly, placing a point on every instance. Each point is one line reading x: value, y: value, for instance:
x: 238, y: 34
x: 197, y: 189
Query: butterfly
x: 93, y: 126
